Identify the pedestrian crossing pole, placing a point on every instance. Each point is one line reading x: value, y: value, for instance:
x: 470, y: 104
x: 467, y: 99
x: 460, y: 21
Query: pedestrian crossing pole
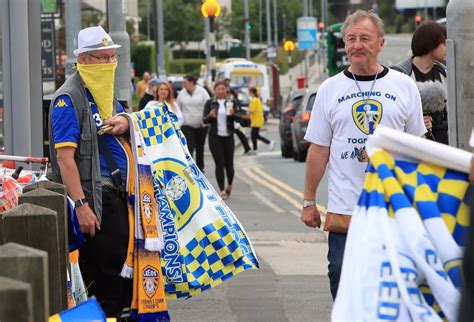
x: 211, y: 9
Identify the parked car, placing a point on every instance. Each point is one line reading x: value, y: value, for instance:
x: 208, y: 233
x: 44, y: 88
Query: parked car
x: 292, y: 103
x: 300, y: 124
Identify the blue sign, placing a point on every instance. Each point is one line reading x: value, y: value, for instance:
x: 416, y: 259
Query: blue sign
x: 307, y: 33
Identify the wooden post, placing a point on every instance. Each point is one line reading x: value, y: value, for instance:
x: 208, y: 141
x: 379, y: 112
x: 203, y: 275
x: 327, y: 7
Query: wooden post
x: 37, y: 227
x: 30, y: 266
x: 48, y: 185
x: 57, y: 202
x: 15, y: 301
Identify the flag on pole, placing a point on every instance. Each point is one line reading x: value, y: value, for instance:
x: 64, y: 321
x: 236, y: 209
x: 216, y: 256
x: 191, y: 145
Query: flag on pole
x: 403, y: 253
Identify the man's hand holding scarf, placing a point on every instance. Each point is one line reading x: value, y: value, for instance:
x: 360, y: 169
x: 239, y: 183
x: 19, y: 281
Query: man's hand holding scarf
x: 118, y: 125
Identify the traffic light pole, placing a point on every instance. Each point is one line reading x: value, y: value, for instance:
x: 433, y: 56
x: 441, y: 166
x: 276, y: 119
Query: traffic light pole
x: 247, y: 29
x: 212, y: 42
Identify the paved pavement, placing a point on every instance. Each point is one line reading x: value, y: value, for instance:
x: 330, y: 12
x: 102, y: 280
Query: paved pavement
x: 292, y: 284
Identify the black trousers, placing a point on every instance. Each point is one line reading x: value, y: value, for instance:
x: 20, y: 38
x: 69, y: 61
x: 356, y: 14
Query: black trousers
x: 102, y: 257
x: 222, y: 150
x: 196, y: 138
x: 255, y: 135
x: 243, y: 139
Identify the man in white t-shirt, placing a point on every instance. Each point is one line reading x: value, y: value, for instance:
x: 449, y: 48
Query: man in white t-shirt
x: 347, y: 108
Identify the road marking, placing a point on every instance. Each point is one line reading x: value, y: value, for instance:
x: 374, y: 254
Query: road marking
x: 260, y: 173
x: 260, y: 196
x: 271, y: 187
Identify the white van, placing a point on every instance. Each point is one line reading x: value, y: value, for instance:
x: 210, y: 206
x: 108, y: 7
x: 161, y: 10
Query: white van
x: 245, y: 74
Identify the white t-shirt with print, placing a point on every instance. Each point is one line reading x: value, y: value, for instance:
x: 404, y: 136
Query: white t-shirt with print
x: 338, y: 121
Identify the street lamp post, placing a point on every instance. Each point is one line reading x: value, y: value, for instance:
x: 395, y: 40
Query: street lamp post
x: 289, y: 46
x: 211, y: 9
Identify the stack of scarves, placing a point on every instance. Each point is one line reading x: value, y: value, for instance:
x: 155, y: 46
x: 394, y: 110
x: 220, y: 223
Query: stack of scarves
x: 183, y: 238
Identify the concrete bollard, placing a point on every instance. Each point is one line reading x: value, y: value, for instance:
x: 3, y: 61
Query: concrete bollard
x: 15, y: 301
x: 57, y: 202
x: 48, y: 185
x: 37, y: 227
x: 30, y: 266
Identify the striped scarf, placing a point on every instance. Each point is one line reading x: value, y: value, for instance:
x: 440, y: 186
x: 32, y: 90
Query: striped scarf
x: 193, y: 235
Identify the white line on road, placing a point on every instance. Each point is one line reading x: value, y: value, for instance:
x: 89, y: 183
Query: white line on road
x: 261, y: 197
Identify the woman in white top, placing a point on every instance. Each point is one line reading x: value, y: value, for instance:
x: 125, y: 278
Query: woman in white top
x: 220, y: 113
x: 164, y: 95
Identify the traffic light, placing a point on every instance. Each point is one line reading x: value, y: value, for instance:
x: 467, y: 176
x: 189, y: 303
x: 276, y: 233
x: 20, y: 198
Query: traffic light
x: 418, y: 19
x: 249, y: 25
x: 321, y: 26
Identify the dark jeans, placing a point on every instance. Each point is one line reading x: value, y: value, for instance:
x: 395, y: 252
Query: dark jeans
x: 222, y: 150
x: 102, y: 257
x: 196, y: 138
x: 243, y: 140
x: 336, y: 243
x: 255, y: 135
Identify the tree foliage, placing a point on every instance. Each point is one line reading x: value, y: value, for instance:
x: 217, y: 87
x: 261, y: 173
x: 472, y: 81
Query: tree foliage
x: 182, y: 20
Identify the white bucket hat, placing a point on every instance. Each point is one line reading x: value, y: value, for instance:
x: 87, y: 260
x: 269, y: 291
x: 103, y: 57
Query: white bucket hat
x: 93, y: 38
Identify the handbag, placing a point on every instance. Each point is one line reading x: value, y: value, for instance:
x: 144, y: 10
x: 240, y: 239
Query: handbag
x: 336, y: 223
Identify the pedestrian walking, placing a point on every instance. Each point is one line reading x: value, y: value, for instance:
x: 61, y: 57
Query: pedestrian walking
x: 347, y: 108
x: 232, y: 95
x: 94, y: 167
x: 164, y: 95
x: 257, y: 120
x: 142, y: 85
x: 428, y: 46
x: 221, y: 113
x: 149, y: 93
x: 191, y: 100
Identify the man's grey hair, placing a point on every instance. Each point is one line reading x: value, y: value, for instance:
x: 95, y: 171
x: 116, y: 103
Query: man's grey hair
x: 362, y: 15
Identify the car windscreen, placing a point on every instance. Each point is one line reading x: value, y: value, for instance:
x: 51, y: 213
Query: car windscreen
x: 297, y: 102
x: 310, y: 104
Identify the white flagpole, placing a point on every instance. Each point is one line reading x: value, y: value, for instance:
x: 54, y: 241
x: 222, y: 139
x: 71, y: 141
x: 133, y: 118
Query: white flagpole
x: 416, y: 148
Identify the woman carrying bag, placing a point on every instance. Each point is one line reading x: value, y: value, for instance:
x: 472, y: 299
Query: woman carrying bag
x: 220, y: 113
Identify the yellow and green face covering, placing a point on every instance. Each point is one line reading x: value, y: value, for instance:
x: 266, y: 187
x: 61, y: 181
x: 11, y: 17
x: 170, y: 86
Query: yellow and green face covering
x: 99, y: 79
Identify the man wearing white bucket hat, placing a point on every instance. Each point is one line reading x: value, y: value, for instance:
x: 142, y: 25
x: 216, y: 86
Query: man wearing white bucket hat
x: 89, y: 155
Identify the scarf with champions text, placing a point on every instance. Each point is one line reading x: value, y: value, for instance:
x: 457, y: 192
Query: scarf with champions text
x: 180, y: 222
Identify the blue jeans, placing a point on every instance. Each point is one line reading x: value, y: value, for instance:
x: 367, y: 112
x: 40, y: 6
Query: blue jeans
x: 336, y: 243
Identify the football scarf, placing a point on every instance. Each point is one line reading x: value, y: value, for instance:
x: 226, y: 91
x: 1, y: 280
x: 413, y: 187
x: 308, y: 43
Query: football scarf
x: 202, y: 242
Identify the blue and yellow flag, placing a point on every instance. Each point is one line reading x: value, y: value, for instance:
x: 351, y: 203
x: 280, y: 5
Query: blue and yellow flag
x: 203, y: 243
x: 403, y: 253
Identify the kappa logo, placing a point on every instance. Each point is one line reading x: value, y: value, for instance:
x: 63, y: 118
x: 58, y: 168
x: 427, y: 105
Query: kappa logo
x: 359, y: 114
x: 146, y: 197
x: 150, y: 279
x: 61, y: 103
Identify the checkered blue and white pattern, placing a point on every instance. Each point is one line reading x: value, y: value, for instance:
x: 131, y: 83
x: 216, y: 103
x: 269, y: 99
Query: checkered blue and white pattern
x: 403, y: 253
x: 212, y: 244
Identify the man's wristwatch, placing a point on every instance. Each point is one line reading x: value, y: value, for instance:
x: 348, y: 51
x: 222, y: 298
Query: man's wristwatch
x: 80, y: 202
x: 308, y: 203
